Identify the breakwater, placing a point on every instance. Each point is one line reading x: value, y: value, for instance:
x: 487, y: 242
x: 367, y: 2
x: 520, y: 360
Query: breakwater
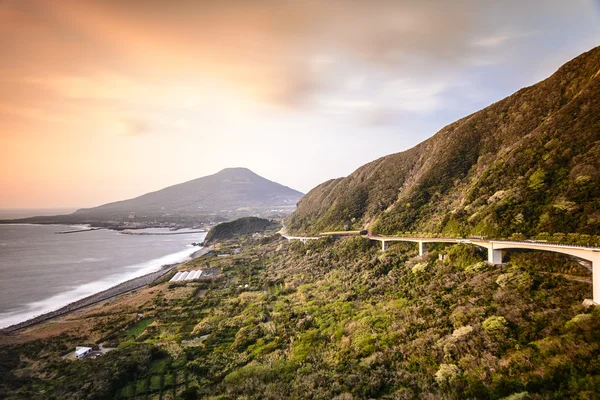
x: 78, y: 231
x: 159, y: 233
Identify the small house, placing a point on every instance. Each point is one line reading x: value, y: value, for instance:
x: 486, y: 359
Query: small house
x: 81, y: 351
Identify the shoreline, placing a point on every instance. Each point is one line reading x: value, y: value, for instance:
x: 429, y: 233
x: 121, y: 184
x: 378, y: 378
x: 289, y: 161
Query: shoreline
x: 107, y: 294
x: 116, y: 226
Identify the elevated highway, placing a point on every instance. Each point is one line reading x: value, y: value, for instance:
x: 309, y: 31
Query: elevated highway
x: 303, y: 239
x: 494, y: 249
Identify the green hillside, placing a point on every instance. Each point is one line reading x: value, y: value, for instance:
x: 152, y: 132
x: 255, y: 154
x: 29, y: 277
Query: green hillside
x: 334, y: 320
x: 240, y: 227
x: 529, y: 163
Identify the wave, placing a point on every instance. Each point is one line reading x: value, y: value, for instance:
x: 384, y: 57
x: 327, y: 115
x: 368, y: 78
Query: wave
x: 57, y: 301
x: 91, y: 259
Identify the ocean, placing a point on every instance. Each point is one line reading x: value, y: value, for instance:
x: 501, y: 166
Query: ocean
x: 41, y: 271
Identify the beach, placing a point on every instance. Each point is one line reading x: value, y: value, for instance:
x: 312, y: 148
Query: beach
x: 117, y: 290
x: 44, y: 272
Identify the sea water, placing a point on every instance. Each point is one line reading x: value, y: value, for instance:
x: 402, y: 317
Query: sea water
x: 41, y: 271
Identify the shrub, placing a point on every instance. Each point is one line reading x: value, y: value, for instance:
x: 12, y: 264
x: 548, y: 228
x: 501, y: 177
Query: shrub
x: 419, y: 268
x: 477, y: 267
x: 446, y: 374
x: 517, y: 237
x: 504, y: 279
x: 579, y: 320
x: 537, y: 180
x: 462, y: 331
x: 517, y: 396
x: 462, y: 256
x: 494, y: 324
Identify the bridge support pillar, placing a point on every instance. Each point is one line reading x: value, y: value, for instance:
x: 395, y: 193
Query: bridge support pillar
x: 494, y: 256
x: 384, y: 245
x: 596, y: 281
x: 422, y: 249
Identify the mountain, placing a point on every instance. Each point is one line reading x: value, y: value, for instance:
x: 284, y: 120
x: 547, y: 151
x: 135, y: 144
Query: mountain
x: 527, y: 164
x: 230, y: 193
x: 232, y: 189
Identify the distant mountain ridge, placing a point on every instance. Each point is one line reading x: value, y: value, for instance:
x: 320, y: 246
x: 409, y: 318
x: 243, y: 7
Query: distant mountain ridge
x: 227, y: 190
x: 529, y: 163
x: 228, y: 194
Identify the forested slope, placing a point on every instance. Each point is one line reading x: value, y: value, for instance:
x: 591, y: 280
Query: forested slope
x: 332, y: 320
x: 529, y: 163
x: 240, y: 227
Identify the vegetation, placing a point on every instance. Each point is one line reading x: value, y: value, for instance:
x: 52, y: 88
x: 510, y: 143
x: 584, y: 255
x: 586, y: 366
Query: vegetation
x: 138, y: 328
x: 338, y: 319
x: 240, y: 227
x: 527, y: 164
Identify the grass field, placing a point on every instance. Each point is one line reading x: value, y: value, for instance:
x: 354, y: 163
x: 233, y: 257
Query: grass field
x: 138, y: 328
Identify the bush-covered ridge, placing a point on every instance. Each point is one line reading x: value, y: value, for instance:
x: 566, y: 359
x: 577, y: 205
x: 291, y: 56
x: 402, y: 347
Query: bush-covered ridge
x: 239, y: 227
x: 527, y: 164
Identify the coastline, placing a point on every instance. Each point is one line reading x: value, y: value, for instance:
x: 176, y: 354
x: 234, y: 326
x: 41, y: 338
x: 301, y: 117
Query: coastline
x: 112, y: 292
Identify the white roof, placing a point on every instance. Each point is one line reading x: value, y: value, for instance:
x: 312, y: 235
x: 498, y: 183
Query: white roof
x: 175, y: 277
x: 79, y: 350
x: 192, y: 275
x: 183, y: 276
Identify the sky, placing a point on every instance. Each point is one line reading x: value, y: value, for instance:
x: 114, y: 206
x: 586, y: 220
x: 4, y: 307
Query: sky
x: 103, y: 100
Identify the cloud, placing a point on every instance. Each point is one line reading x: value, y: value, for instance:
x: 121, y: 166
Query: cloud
x: 81, y: 80
x: 415, y: 96
x: 96, y: 87
x: 381, y: 117
x: 287, y: 53
x: 491, y: 41
x: 133, y: 127
x: 274, y: 51
x: 44, y: 115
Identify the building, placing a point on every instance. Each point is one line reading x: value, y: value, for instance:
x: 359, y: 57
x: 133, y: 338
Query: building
x: 81, y: 351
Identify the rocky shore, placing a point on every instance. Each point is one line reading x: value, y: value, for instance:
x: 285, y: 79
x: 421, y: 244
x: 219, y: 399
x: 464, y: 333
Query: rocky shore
x: 125, y: 287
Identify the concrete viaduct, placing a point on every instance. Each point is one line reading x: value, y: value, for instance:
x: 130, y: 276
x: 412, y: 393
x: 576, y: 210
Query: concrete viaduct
x: 494, y: 250
x: 303, y: 239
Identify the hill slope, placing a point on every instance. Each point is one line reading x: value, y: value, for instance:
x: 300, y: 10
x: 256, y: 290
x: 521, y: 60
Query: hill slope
x: 528, y: 163
x: 229, y: 189
x: 328, y: 320
x: 239, y: 227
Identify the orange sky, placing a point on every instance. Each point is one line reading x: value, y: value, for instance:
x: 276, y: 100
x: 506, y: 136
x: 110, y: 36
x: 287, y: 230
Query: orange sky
x: 105, y: 100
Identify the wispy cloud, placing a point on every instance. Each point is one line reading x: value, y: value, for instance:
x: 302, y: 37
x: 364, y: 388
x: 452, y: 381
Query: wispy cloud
x: 238, y: 76
x: 133, y: 127
x: 282, y: 53
x: 491, y: 41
